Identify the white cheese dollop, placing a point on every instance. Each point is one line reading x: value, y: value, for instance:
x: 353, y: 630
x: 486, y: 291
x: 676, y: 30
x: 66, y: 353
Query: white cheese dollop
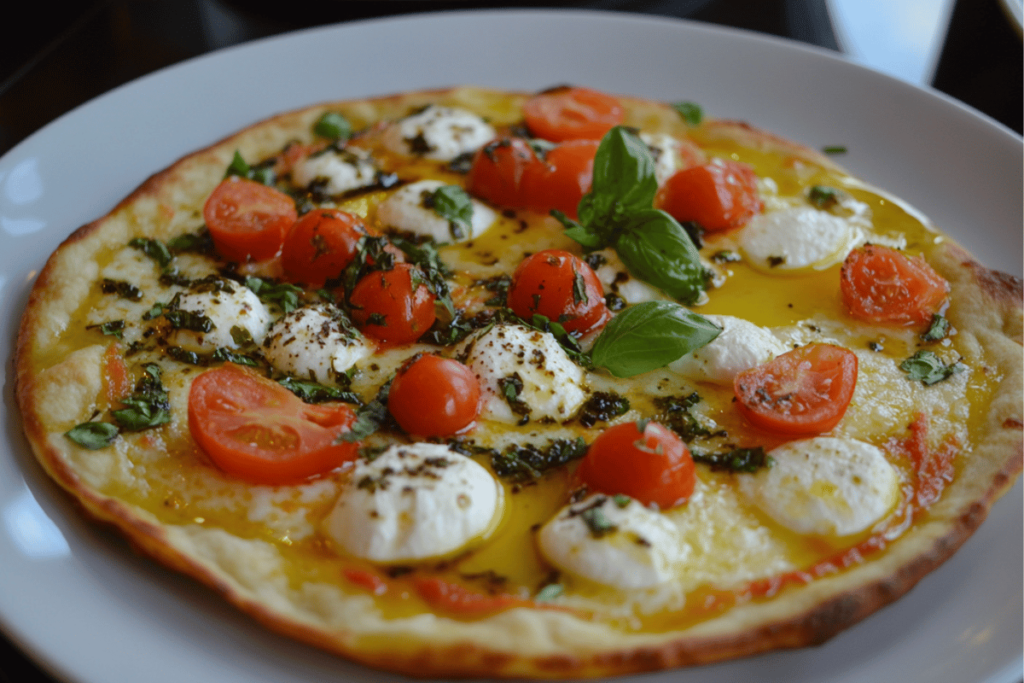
x: 438, y: 133
x: 413, y: 503
x: 315, y: 342
x: 638, y: 547
x: 741, y: 345
x: 798, y: 238
x: 229, y: 306
x: 407, y: 209
x: 551, y: 384
x: 340, y: 170
x: 824, y: 486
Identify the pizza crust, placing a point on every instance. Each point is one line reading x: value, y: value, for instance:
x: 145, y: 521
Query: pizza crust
x: 59, y: 386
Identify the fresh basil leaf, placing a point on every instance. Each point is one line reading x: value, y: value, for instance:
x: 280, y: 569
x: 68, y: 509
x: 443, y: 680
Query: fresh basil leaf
x: 690, y: 112
x: 93, y: 435
x: 370, y: 418
x: 580, y: 233
x: 928, y: 368
x: 623, y: 181
x: 113, y: 328
x: 154, y: 249
x: 650, y: 335
x: 284, y: 294
x: 656, y: 249
x: 333, y: 126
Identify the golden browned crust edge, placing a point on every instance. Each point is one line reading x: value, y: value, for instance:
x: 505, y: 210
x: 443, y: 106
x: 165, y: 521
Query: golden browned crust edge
x: 814, y: 625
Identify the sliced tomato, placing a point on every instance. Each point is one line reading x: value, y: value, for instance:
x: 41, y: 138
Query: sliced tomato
x: 719, y: 195
x: 434, y: 396
x: 248, y: 220
x: 509, y: 173
x: 320, y: 245
x: 644, y: 461
x: 255, y: 429
x: 883, y: 285
x: 570, y: 113
x: 802, y: 392
x: 561, y: 287
x: 388, y: 308
x: 116, y: 377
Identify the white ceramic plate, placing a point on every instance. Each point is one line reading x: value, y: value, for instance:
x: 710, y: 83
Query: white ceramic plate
x: 91, y: 611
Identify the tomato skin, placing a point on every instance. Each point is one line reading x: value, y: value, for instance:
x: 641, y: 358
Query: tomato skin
x: 546, y: 283
x: 320, y: 244
x: 507, y: 172
x: 571, y: 113
x: 802, y: 392
x: 248, y: 220
x: 883, y: 285
x: 434, y: 396
x: 652, y: 466
x: 255, y: 429
x: 406, y: 314
x: 719, y: 195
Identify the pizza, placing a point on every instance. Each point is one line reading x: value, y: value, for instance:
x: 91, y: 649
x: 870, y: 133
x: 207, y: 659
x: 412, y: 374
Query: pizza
x: 563, y: 384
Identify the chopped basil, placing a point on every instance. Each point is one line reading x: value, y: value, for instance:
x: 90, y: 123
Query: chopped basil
x: 434, y: 270
x: 370, y: 418
x: 834, y: 149
x: 314, y: 392
x: 690, y: 112
x: 154, y: 249
x: 937, y: 329
x: 596, y: 522
x: 579, y: 288
x: 148, y: 406
x: 260, y: 173
x: 93, y: 435
x: 284, y: 294
x: 511, y: 387
x: 601, y: 407
x: 522, y: 464
x: 823, y: 196
x: 333, y: 126
x: 226, y: 355
x: 622, y: 500
x: 113, y: 328
x: 124, y: 290
x: 650, y: 335
x: 676, y: 414
x: 453, y: 204
x: 188, y: 320
x: 928, y: 368
x: 549, y: 592
x: 737, y: 460
x: 199, y: 242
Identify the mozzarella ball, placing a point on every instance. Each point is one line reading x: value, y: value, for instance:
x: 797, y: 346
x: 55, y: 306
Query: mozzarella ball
x: 547, y: 384
x: 409, y: 209
x: 613, y: 540
x: 340, y: 170
x: 438, y: 133
x: 824, y: 486
x: 798, y: 238
x: 315, y: 342
x: 741, y: 345
x: 234, y: 312
x: 412, y: 503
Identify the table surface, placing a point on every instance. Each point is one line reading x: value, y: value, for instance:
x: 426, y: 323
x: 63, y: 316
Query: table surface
x: 52, y: 62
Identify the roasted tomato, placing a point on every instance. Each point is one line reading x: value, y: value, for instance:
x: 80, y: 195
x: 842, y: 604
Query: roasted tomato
x: 255, y: 429
x: 319, y: 245
x: 248, y: 220
x: 434, y: 396
x: 800, y: 393
x: 572, y: 114
x: 561, y: 287
x: 644, y: 460
x: 883, y: 285
x: 387, y: 306
x: 719, y: 195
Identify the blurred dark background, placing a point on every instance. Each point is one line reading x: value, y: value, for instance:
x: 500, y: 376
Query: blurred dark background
x: 52, y: 60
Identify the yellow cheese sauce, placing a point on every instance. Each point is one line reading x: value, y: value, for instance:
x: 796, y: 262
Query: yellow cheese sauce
x: 733, y: 545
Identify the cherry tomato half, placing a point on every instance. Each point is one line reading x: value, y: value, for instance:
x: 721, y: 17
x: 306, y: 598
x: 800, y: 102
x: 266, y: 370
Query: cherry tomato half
x: 572, y: 114
x: 255, y: 429
x: 387, y: 307
x: 248, y: 220
x: 507, y: 172
x: 883, y: 285
x: 651, y: 464
x: 802, y: 392
x: 319, y: 245
x: 434, y: 396
x: 560, y: 286
x: 719, y: 195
